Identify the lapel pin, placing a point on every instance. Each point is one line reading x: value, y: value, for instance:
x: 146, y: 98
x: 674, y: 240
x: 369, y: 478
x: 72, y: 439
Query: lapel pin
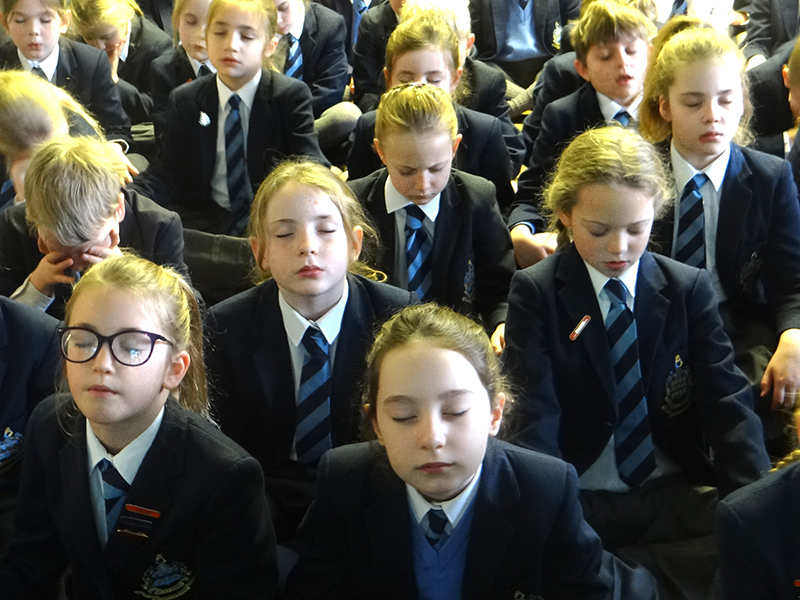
x: 579, y: 328
x: 204, y: 120
x: 141, y: 510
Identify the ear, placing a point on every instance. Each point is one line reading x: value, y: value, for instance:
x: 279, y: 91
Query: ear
x: 255, y: 246
x: 42, y: 246
x: 785, y: 73
x: 565, y: 218
x: 379, y: 150
x: 664, y: 109
x: 387, y: 78
x: 377, y: 429
x: 357, y: 241
x: 269, y: 47
x: 119, y: 213
x: 470, y: 41
x: 3, y: 21
x: 456, y: 143
x: 65, y: 21
x: 455, y: 79
x: 176, y: 370
x: 581, y: 69
x: 498, y: 403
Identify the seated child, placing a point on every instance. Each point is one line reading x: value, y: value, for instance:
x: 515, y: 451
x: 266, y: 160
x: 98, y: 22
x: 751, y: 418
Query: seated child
x: 436, y: 507
x: 82, y: 71
x: 444, y: 238
x: 226, y: 133
x: 377, y: 25
x: 126, y: 480
x: 626, y: 370
x: 611, y: 44
x: 307, y: 232
x: 75, y: 215
x: 131, y: 43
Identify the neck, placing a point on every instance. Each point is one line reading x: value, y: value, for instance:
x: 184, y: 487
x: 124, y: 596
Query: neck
x: 313, y: 307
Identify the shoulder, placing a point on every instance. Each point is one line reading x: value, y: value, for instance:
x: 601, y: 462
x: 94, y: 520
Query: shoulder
x: 473, y: 188
x: 352, y: 461
x: 678, y: 278
x: 8, y: 51
x: 12, y: 221
x: 382, y: 296
x: 53, y: 419
x: 363, y: 186
x: 20, y: 322
x: 760, y: 163
x: 147, y: 212
x: 769, y: 500
x: 83, y: 54
x: 327, y: 18
x: 243, y: 306
x: 153, y: 39
x: 168, y: 58
x: 483, y: 74
x: 280, y: 87
x: 477, y: 120
x: 536, y: 474
x: 207, y: 441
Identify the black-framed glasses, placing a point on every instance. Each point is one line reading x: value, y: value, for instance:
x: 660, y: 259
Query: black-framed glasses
x: 131, y: 347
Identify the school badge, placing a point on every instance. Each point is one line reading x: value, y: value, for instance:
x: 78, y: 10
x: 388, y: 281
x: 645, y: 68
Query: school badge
x: 10, y: 449
x: 166, y: 580
x: 557, y: 36
x: 679, y: 389
x: 518, y: 595
x: 204, y: 119
x: 469, y: 283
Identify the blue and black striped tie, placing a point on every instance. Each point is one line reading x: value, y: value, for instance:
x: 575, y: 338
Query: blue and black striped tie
x: 359, y: 8
x: 623, y: 117
x: 313, y: 435
x: 437, y: 521
x: 115, y: 489
x: 633, y: 443
x: 294, y: 58
x: 418, y: 253
x: 690, y: 248
x: 239, y: 196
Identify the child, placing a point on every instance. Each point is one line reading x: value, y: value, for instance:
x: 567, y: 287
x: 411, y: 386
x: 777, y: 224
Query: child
x: 670, y: 396
x: 131, y: 43
x: 749, y: 235
x: 611, y: 43
x: 369, y: 48
x: 791, y: 80
x: 510, y: 524
x: 425, y: 49
x: 76, y: 215
x: 187, y: 61
x: 444, y: 236
x: 306, y: 230
x: 35, y: 27
x: 126, y: 479
x: 226, y: 133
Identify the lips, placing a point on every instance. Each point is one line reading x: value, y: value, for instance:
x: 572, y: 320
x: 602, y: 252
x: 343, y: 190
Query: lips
x: 101, y: 391
x: 712, y: 136
x: 434, y: 468
x: 309, y: 271
x: 617, y: 265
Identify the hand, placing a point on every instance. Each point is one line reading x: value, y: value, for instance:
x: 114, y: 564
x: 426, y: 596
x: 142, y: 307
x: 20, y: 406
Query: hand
x: 782, y: 375
x: 530, y: 248
x: 113, y: 52
x: 499, y: 339
x: 131, y: 170
x: 51, y: 271
x: 755, y: 60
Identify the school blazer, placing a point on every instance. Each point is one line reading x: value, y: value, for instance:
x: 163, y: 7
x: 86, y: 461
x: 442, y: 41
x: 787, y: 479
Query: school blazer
x: 487, y: 89
x: 369, y: 54
x: 568, y: 406
x: 214, y: 521
x: 344, y: 8
x: 562, y: 120
x: 772, y: 114
x: 472, y: 260
x: 152, y: 231
x: 281, y: 125
x: 758, y: 239
x: 528, y: 536
x: 759, y: 553
x: 252, y: 372
x: 771, y: 23
x: 84, y: 72
x: 159, y: 12
x: 167, y: 72
x: 550, y: 16
x: 487, y: 149
x: 147, y: 43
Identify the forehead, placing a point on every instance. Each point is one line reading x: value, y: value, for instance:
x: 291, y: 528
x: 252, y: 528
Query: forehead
x: 424, y: 59
x: 613, y: 204
x: 625, y: 41
x: 418, y: 149
x: 53, y: 244
x: 237, y: 17
x: 195, y: 7
x: 31, y: 7
x: 298, y: 202
x: 109, y: 309
x: 709, y: 76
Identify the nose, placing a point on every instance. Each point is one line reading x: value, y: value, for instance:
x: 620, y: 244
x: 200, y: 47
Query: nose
x: 103, y: 360
x: 617, y: 244
x: 713, y: 112
x: 433, y: 433
x: 421, y: 182
x: 308, y: 241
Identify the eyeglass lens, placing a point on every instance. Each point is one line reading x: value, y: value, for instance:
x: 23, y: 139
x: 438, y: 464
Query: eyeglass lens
x: 131, y: 348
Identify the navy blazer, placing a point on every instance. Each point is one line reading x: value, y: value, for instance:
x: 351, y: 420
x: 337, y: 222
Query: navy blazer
x: 345, y: 9
x: 487, y: 149
x: 251, y: 367
x: 159, y: 12
x: 528, y: 536
x: 147, y: 43
x: 153, y: 232
x: 84, y: 72
x: 770, y: 24
x: 369, y: 55
x: 214, y: 520
x: 549, y: 17
x: 167, y: 72
x: 758, y: 547
x: 487, y: 89
x: 772, y: 114
x: 562, y: 120
x: 758, y: 238
x: 281, y: 125
x: 472, y: 257
x: 568, y: 407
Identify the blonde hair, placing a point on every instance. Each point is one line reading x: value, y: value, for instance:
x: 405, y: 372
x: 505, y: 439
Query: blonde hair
x: 455, y: 13
x: 263, y: 10
x: 172, y: 301
x: 88, y: 13
x: 422, y: 32
x: 31, y: 109
x: 609, y: 21
x: 72, y: 186
x: 685, y: 42
x: 306, y: 173
x: 60, y: 6
x: 416, y: 107
x: 610, y: 155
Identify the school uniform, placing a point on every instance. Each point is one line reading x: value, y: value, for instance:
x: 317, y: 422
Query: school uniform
x: 757, y: 542
x: 345, y: 9
x: 159, y: 12
x: 153, y: 232
x: 527, y: 539
x: 252, y: 372
x: 772, y: 114
x: 167, y: 72
x: 369, y: 54
x: 84, y: 72
x: 770, y: 24
x: 281, y: 125
x: 204, y: 530
x: 472, y: 260
x: 146, y: 43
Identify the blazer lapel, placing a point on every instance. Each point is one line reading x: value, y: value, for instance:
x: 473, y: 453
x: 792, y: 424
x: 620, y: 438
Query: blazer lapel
x: 5, y: 349
x: 463, y: 147
x: 135, y: 37
x: 65, y: 68
x: 650, y: 309
x: 376, y: 208
x: 208, y: 103
x: 735, y: 198
x: 447, y: 232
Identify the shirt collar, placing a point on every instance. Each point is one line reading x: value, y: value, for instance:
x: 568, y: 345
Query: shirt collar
x: 128, y: 460
x: 329, y: 324
x: 48, y: 65
x: 684, y: 171
x: 123, y: 54
x: 246, y: 93
x: 453, y: 508
x: 609, y: 108
x: 628, y: 278
x: 196, y: 64
x: 395, y: 201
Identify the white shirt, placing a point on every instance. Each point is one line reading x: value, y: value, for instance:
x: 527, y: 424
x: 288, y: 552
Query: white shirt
x: 47, y: 65
x: 123, y: 54
x: 454, y: 508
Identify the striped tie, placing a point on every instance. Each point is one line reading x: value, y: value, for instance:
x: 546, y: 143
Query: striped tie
x: 115, y: 488
x: 238, y: 194
x: 437, y: 521
x: 623, y: 117
x: 632, y: 440
x: 313, y: 436
x: 294, y: 58
x: 359, y: 8
x: 418, y: 253
x: 37, y: 70
x: 203, y: 70
x: 691, y: 245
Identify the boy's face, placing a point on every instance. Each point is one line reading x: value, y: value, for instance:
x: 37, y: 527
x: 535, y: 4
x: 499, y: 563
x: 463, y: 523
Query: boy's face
x: 192, y: 29
x: 616, y: 69
x: 794, y: 93
x: 289, y: 13
x: 34, y: 28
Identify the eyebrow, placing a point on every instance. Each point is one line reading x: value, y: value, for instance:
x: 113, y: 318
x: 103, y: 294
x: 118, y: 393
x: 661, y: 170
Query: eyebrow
x: 643, y: 221
x: 289, y: 221
x: 448, y: 395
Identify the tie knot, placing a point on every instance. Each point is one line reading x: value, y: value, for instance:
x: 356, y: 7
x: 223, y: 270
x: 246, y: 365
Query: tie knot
x: 437, y: 520
x: 414, y: 216
x: 623, y: 117
x: 234, y: 101
x: 315, y: 343
x: 291, y: 38
x: 696, y: 182
x: 111, y: 476
x: 616, y: 291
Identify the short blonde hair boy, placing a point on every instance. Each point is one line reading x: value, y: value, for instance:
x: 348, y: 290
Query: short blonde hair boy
x: 609, y: 21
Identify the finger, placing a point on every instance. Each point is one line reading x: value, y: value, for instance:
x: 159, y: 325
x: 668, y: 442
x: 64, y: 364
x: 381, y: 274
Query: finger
x: 93, y: 258
x: 778, y: 396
